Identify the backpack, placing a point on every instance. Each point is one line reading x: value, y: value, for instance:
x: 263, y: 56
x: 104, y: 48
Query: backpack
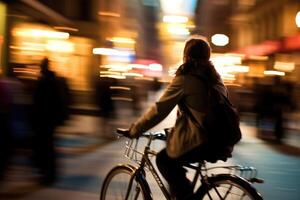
x: 221, y: 122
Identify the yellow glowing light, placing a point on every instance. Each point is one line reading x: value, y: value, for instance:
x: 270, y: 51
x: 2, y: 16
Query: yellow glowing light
x: 109, y: 73
x: 108, y: 14
x: 132, y: 74
x: 113, y: 76
x: 259, y: 58
x: 27, y: 48
x: 138, y: 66
x: 178, y: 30
x: 122, y: 40
x: 220, y: 39
x: 120, y: 67
x: 155, y: 67
x: 272, y: 72
x: 120, y: 88
x: 226, y: 59
x: 228, y: 77
x: 41, y: 33
x: 237, y: 68
x: 144, y: 78
x: 60, y: 46
x: 25, y: 71
x: 298, y: 19
x: 284, y: 66
x: 175, y: 19
x: 65, y: 28
x: 105, y: 51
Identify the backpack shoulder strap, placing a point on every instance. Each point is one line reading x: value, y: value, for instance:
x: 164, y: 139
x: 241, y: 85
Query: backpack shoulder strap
x: 187, y: 111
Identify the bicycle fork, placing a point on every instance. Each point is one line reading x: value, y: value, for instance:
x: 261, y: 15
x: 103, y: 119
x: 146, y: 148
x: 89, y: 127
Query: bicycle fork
x: 132, y: 178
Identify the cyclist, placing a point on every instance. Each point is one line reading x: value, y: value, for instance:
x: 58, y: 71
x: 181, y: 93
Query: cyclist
x: 185, y: 142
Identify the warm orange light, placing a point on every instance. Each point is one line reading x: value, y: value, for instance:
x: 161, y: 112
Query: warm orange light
x: 284, y: 66
x: 66, y: 28
x: 41, y: 33
x: 178, y: 29
x: 122, y: 40
x: 272, y: 72
x: 175, y: 19
x: 237, y: 69
x: 60, y: 46
x: 108, y: 14
x: 298, y: 19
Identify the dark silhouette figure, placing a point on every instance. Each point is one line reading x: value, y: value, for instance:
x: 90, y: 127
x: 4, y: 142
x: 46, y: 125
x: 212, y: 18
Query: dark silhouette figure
x: 47, y: 114
x: 280, y: 101
x: 104, y: 96
x: 5, y: 130
x: 272, y: 101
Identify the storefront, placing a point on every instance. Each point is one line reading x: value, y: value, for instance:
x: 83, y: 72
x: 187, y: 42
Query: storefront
x: 69, y: 55
x: 36, y: 31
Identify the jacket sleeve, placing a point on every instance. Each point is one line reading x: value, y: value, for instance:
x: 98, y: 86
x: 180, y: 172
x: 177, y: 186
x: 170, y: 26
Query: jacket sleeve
x: 160, y: 110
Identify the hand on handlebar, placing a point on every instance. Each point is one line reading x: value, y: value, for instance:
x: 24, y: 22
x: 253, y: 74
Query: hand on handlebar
x: 125, y: 132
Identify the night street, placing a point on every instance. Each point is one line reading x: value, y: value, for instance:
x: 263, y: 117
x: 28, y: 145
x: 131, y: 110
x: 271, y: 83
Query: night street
x: 223, y: 74
x: 83, y: 167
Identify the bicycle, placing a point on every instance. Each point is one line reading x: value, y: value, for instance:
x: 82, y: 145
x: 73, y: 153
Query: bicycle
x: 126, y: 181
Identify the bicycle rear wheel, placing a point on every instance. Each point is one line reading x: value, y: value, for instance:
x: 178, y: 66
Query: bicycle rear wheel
x: 228, y: 187
x: 117, y: 185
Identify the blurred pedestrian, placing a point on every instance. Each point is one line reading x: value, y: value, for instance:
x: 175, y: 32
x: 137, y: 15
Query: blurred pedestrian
x: 106, y: 108
x: 104, y: 96
x: 5, y: 130
x: 47, y: 114
x: 280, y: 100
x: 19, y: 119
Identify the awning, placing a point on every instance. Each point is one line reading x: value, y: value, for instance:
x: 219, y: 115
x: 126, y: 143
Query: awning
x: 269, y: 47
x: 266, y: 48
x: 291, y: 43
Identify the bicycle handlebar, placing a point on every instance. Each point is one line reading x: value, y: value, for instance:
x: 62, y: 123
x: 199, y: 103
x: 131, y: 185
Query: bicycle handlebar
x: 160, y: 135
x: 123, y: 131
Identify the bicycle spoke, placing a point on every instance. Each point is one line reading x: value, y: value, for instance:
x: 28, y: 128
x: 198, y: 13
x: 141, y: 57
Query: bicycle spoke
x: 219, y: 195
x: 228, y: 192
x: 209, y: 195
x: 137, y: 189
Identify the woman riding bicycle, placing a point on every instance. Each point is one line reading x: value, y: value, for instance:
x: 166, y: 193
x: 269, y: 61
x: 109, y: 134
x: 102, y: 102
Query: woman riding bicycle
x: 186, y: 142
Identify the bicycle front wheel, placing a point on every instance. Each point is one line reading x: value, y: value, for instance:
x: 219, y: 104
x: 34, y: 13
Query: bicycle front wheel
x: 121, y: 183
x: 228, y: 187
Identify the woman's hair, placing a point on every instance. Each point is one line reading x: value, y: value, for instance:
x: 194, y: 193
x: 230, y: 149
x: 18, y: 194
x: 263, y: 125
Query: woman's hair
x: 196, y: 57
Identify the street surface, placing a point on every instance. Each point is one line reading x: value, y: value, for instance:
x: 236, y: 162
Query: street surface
x: 87, y: 153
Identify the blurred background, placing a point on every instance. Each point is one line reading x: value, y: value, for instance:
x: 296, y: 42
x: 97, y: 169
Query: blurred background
x: 110, y: 59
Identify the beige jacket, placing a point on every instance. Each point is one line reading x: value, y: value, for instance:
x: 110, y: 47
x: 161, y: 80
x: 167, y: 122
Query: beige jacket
x: 184, y: 89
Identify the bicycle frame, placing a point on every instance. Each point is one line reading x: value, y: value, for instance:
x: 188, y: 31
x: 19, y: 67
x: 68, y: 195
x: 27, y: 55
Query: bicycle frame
x: 146, y: 162
x: 201, y: 171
